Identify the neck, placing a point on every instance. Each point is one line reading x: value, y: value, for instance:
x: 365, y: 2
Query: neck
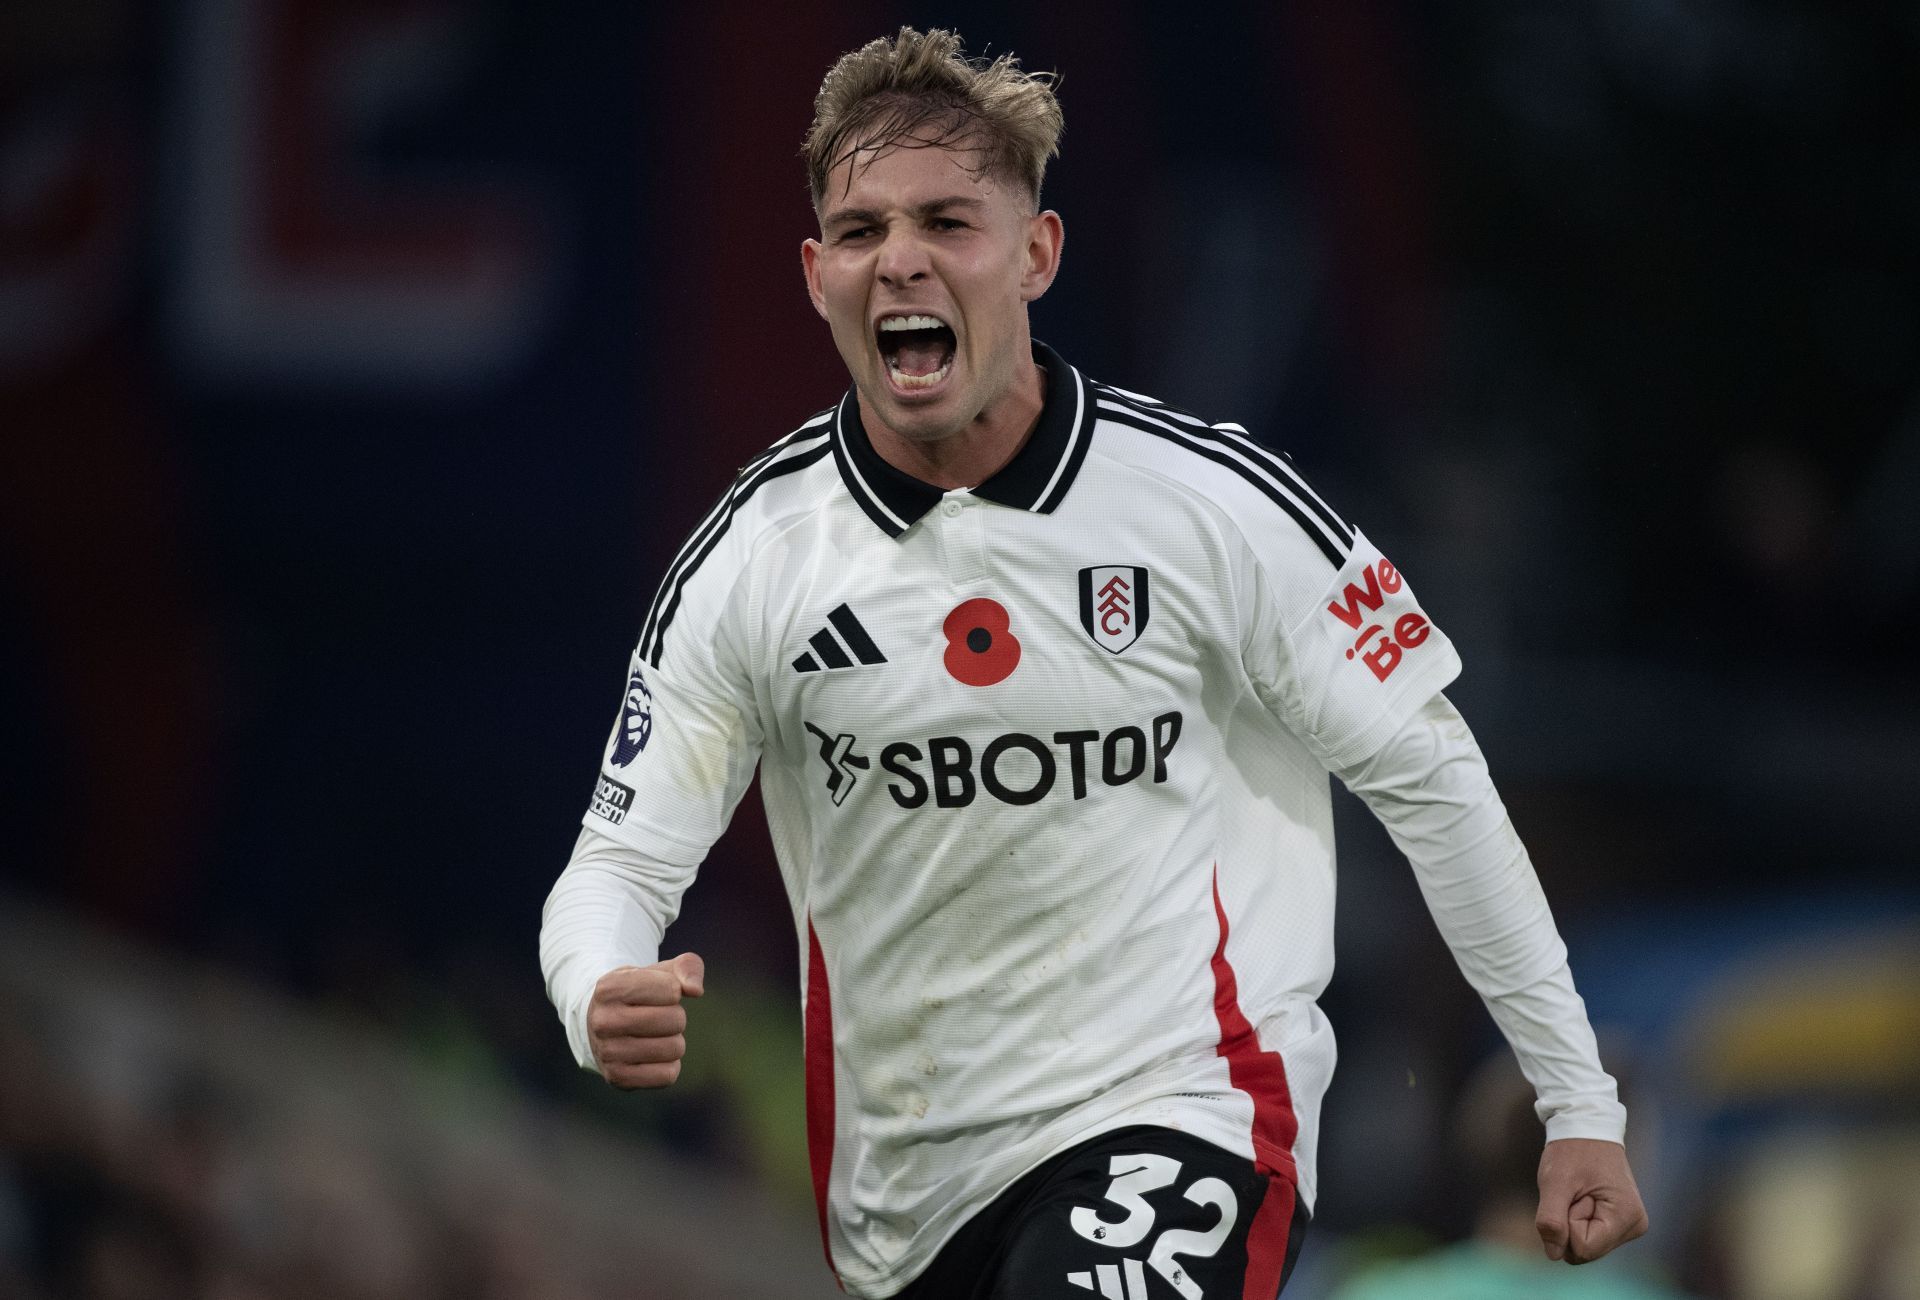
x: 978, y: 450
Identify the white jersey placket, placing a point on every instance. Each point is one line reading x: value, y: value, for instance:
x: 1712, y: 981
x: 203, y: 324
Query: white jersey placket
x: 961, y: 536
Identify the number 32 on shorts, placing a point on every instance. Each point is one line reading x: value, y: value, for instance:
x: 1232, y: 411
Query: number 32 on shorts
x: 1133, y: 1177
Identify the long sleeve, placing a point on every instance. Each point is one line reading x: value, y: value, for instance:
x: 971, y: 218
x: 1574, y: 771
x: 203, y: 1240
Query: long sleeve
x: 681, y: 753
x: 1430, y: 787
x: 610, y: 908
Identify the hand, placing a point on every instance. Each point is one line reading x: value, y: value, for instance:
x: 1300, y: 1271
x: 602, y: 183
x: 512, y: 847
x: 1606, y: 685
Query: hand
x: 1588, y: 1201
x: 636, y: 1025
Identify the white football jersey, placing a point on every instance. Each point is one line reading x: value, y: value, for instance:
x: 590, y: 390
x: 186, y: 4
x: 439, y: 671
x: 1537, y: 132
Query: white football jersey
x: 1046, y: 767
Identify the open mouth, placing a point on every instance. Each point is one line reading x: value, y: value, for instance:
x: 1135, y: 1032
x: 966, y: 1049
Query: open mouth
x: 918, y: 350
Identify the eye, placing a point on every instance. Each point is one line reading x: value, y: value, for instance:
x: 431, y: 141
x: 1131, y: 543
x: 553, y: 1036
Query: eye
x: 856, y: 232
x: 948, y: 223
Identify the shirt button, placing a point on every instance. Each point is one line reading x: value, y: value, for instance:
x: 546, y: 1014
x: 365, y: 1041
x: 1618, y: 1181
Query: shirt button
x: 953, y: 509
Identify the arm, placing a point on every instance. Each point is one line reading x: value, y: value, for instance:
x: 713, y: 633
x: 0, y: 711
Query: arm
x: 600, y: 938
x: 681, y: 753
x: 1349, y: 662
x: 1430, y: 787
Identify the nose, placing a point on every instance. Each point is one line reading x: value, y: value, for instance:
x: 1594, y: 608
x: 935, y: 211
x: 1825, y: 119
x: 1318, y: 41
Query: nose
x: 903, y: 261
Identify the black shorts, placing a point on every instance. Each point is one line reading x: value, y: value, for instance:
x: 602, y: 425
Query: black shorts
x: 1137, y: 1214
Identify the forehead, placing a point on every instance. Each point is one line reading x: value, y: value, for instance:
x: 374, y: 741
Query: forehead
x: 906, y: 173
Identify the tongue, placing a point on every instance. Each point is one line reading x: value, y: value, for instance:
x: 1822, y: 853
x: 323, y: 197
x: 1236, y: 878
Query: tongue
x: 918, y: 357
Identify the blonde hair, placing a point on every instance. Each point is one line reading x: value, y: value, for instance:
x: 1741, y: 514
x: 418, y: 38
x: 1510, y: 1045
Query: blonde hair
x: 920, y: 90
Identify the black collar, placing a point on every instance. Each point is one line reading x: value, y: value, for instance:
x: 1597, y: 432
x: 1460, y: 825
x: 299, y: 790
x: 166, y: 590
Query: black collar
x: 1037, y: 478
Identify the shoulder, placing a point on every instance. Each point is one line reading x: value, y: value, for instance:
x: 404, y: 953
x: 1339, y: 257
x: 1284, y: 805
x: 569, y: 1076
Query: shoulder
x: 790, y: 478
x: 1256, y: 491
x: 775, y: 485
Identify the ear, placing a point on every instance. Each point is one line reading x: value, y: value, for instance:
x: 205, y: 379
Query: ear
x: 810, y: 267
x: 1045, y: 238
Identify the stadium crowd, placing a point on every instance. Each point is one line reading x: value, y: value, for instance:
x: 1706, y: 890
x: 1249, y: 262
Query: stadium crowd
x: 167, y: 1133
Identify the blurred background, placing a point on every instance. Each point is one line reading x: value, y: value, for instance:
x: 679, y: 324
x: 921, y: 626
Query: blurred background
x: 363, y: 362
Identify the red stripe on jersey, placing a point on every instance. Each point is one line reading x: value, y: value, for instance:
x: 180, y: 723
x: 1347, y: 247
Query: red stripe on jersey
x: 820, y: 1113
x: 1259, y: 1074
x: 1267, y: 1240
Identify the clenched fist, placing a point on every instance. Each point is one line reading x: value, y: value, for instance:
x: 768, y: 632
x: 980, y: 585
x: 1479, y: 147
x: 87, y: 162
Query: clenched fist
x: 636, y: 1025
x: 1588, y: 1201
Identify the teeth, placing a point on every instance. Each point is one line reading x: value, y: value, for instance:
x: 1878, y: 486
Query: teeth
x: 890, y: 323
x: 920, y: 381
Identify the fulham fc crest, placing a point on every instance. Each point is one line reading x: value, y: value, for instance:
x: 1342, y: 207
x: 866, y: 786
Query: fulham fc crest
x: 1113, y: 605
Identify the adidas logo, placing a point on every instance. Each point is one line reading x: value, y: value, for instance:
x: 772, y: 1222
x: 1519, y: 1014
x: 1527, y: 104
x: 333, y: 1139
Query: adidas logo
x: 1135, y: 1287
x: 830, y: 652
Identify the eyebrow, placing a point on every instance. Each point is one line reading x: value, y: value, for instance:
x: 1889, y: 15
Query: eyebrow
x: 919, y: 211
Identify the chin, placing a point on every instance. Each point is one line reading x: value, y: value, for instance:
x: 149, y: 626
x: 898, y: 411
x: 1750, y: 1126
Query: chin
x: 923, y: 421
x: 927, y: 418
